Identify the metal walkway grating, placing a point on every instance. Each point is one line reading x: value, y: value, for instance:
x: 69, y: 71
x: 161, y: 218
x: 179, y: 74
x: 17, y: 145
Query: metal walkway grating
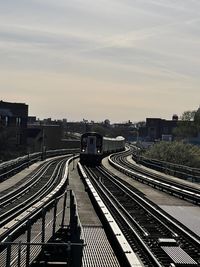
x: 179, y: 256
x: 98, y: 251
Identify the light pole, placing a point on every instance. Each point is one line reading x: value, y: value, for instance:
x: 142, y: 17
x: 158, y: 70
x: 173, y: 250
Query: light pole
x: 43, y: 148
x: 137, y: 137
x: 73, y: 161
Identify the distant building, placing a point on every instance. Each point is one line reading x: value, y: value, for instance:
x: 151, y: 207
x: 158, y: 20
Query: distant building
x: 42, y: 137
x: 32, y: 120
x: 158, y: 129
x: 78, y: 127
x: 167, y: 137
x: 48, y: 137
x: 14, y: 117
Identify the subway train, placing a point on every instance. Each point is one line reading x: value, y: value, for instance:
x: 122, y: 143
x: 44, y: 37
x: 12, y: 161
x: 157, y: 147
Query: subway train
x: 94, y: 147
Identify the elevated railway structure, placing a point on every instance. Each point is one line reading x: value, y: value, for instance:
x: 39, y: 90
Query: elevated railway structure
x: 11, y: 167
x: 181, y: 171
x: 33, y: 213
x: 154, y: 238
x: 141, y: 232
x: 41, y: 184
x: 49, y: 232
x: 177, y: 187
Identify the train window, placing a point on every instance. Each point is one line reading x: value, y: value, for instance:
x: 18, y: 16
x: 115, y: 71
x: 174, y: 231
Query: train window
x: 91, y: 141
x: 99, y: 143
x: 84, y: 141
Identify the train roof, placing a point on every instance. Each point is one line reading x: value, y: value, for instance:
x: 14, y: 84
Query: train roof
x: 120, y: 138
x: 91, y: 133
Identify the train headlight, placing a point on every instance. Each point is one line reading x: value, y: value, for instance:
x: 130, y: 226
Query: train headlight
x: 83, y: 150
x: 98, y: 151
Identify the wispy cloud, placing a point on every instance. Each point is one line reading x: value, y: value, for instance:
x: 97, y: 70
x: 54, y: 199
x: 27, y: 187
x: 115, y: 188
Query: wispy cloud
x: 140, y: 49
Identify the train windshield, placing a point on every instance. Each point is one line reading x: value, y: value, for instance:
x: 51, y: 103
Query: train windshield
x: 99, y: 144
x: 84, y: 141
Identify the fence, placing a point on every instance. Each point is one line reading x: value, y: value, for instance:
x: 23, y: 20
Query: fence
x: 53, y: 234
x: 181, y: 171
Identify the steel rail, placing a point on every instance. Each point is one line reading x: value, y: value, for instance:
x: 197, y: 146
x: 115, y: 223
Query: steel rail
x: 155, y: 208
x: 182, y: 182
x: 123, y: 160
x: 148, y: 207
x: 20, y: 190
x: 183, y: 235
x: 19, y: 166
x: 108, y: 199
x: 32, y: 195
x: 118, y: 237
x: 39, y: 210
x: 13, y: 166
x: 46, y: 190
x: 189, y: 193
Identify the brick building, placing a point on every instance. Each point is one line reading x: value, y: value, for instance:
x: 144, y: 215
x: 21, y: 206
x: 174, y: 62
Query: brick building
x: 13, y: 118
x: 156, y: 128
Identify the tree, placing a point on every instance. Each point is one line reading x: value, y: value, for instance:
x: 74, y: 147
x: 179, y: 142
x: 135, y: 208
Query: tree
x: 140, y: 124
x: 175, y: 152
x: 102, y: 129
x: 186, y: 127
x: 188, y: 115
x: 197, y: 119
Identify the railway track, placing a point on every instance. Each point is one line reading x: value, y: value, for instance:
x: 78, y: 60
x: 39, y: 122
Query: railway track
x: 18, y: 200
x: 14, y: 166
x: 40, y: 212
x: 176, y: 187
x: 152, y: 234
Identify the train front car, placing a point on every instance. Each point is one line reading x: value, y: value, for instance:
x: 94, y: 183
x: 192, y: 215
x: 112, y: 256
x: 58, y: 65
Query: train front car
x: 91, y: 148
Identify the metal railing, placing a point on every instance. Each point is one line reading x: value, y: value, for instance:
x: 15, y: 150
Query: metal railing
x: 14, y: 166
x: 61, y: 234
x: 181, y: 171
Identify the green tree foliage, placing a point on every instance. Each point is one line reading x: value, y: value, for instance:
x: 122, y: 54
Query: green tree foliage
x: 188, y: 115
x: 189, y: 125
x: 197, y: 119
x: 185, y: 129
x: 140, y: 124
x: 102, y: 129
x: 175, y: 152
x: 108, y: 131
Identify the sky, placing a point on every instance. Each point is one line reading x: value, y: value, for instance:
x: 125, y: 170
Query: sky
x: 106, y: 59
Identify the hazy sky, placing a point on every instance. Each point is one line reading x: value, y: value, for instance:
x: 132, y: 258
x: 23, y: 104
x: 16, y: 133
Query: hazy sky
x: 115, y: 59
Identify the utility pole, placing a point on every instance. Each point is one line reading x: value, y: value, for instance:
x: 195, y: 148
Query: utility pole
x: 73, y: 161
x: 43, y: 148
